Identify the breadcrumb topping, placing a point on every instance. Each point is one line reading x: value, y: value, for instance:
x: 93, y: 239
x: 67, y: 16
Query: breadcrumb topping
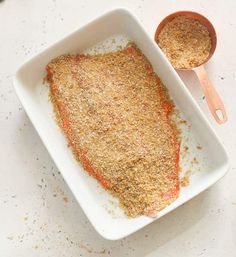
x: 115, y: 113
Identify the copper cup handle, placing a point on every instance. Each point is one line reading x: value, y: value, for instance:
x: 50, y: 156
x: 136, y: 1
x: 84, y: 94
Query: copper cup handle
x: 214, y: 102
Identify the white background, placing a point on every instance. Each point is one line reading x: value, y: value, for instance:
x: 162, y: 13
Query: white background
x: 38, y: 214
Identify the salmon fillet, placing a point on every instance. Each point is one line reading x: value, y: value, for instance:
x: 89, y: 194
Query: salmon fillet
x: 115, y: 114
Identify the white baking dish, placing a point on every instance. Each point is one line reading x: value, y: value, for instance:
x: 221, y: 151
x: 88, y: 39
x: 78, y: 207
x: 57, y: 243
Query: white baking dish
x: 95, y: 201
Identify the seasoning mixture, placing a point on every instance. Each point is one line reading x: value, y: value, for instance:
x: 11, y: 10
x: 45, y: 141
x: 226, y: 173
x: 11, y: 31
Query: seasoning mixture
x: 185, y: 41
x: 115, y: 114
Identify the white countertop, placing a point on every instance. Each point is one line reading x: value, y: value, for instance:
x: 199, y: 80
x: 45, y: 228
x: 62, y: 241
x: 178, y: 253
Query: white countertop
x: 38, y: 214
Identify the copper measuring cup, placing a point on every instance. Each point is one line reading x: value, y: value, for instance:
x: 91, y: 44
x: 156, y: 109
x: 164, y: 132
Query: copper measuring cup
x: 214, y: 102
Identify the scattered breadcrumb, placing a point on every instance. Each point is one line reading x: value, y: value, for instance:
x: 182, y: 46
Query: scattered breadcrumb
x: 116, y: 115
x: 183, y: 122
x: 185, y: 180
x: 65, y: 199
x: 186, y: 148
x: 90, y: 250
x: 194, y: 161
x: 186, y: 42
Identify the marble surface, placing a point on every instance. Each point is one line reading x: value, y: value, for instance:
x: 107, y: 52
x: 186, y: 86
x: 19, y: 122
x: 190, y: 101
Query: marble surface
x: 38, y: 214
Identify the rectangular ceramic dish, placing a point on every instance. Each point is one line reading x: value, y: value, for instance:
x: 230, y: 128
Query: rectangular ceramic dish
x: 99, y: 206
